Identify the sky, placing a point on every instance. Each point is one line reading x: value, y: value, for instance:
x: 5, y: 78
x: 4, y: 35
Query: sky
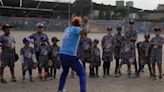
x: 143, y: 4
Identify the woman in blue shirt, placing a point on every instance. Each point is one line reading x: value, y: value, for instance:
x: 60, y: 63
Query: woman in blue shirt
x: 68, y: 54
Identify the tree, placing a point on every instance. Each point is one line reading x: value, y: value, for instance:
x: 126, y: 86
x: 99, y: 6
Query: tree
x: 102, y: 15
x: 121, y: 12
x: 82, y: 7
x: 108, y: 14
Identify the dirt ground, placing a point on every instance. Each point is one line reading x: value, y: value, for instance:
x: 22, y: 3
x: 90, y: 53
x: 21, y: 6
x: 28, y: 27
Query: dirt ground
x: 110, y: 84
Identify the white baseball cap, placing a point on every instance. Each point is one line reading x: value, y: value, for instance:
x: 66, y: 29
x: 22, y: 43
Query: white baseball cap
x: 39, y: 25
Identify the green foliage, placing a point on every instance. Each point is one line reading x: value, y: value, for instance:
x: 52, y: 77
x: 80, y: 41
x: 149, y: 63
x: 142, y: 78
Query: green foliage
x: 121, y: 12
x: 162, y: 19
x: 102, y: 15
x: 82, y: 7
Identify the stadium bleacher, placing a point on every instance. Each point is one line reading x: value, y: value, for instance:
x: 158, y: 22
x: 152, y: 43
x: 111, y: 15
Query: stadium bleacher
x: 30, y: 3
x: 14, y: 3
x: 30, y: 8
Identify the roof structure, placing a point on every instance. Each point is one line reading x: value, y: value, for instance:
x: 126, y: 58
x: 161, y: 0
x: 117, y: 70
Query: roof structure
x: 29, y: 4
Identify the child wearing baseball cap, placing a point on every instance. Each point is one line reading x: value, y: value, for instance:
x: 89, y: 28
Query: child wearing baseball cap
x: 127, y: 56
x: 96, y: 61
x: 107, y: 44
x: 156, y: 52
x: 27, y: 58
x: 44, y: 52
x: 55, y: 57
x: 144, y: 49
x: 7, y: 44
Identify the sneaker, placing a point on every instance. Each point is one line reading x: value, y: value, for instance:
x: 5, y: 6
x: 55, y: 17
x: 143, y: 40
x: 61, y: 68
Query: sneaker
x: 62, y: 91
x: 91, y: 76
x: 160, y: 77
x: 23, y: 78
x: 142, y: 71
x: 117, y: 75
x: 137, y: 75
x: 59, y: 91
x: 104, y: 76
x: 40, y: 77
x: 154, y: 77
x: 108, y: 75
x: 3, y: 81
x: 151, y: 75
x: 120, y: 74
x: 13, y: 79
x: 31, y: 80
x: 45, y: 79
x: 97, y: 76
x: 130, y: 76
x: 54, y: 77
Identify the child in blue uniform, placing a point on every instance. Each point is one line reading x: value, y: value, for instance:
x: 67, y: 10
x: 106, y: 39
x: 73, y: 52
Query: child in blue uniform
x: 133, y: 38
x: 96, y: 61
x: 55, y: 57
x: 8, y: 52
x: 144, y: 54
x: 156, y: 52
x: 44, y: 52
x: 117, y: 48
x: 37, y: 39
x: 107, y: 44
x: 127, y: 55
x: 27, y: 58
x: 85, y: 46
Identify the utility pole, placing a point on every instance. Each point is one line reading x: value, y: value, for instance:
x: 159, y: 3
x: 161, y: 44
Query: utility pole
x: 69, y: 11
x: 2, y: 2
x: 91, y: 9
x: 20, y: 3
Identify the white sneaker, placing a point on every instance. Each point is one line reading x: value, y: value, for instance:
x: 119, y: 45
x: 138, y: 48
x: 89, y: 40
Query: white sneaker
x: 62, y: 91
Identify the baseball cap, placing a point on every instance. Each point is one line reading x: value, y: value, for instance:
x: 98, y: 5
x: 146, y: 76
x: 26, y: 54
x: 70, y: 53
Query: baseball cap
x: 96, y: 40
x: 78, y: 19
x: 44, y: 38
x: 55, y: 39
x: 109, y: 28
x: 157, y: 29
x: 119, y: 28
x: 6, y: 26
x: 39, y: 25
x: 128, y: 36
x: 147, y: 35
x: 131, y: 22
x: 27, y: 40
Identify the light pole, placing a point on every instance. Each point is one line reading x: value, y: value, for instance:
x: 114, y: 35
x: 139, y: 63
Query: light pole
x: 91, y: 9
x: 69, y: 11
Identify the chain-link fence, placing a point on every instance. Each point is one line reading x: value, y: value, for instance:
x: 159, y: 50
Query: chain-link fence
x: 26, y: 23
x: 22, y: 23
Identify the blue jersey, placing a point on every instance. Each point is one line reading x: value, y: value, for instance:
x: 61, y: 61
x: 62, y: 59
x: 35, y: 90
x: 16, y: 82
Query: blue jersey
x: 70, y: 41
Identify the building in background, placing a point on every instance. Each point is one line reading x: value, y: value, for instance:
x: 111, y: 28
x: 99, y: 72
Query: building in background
x: 160, y: 7
x: 120, y: 3
x: 130, y: 4
x: 155, y: 15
